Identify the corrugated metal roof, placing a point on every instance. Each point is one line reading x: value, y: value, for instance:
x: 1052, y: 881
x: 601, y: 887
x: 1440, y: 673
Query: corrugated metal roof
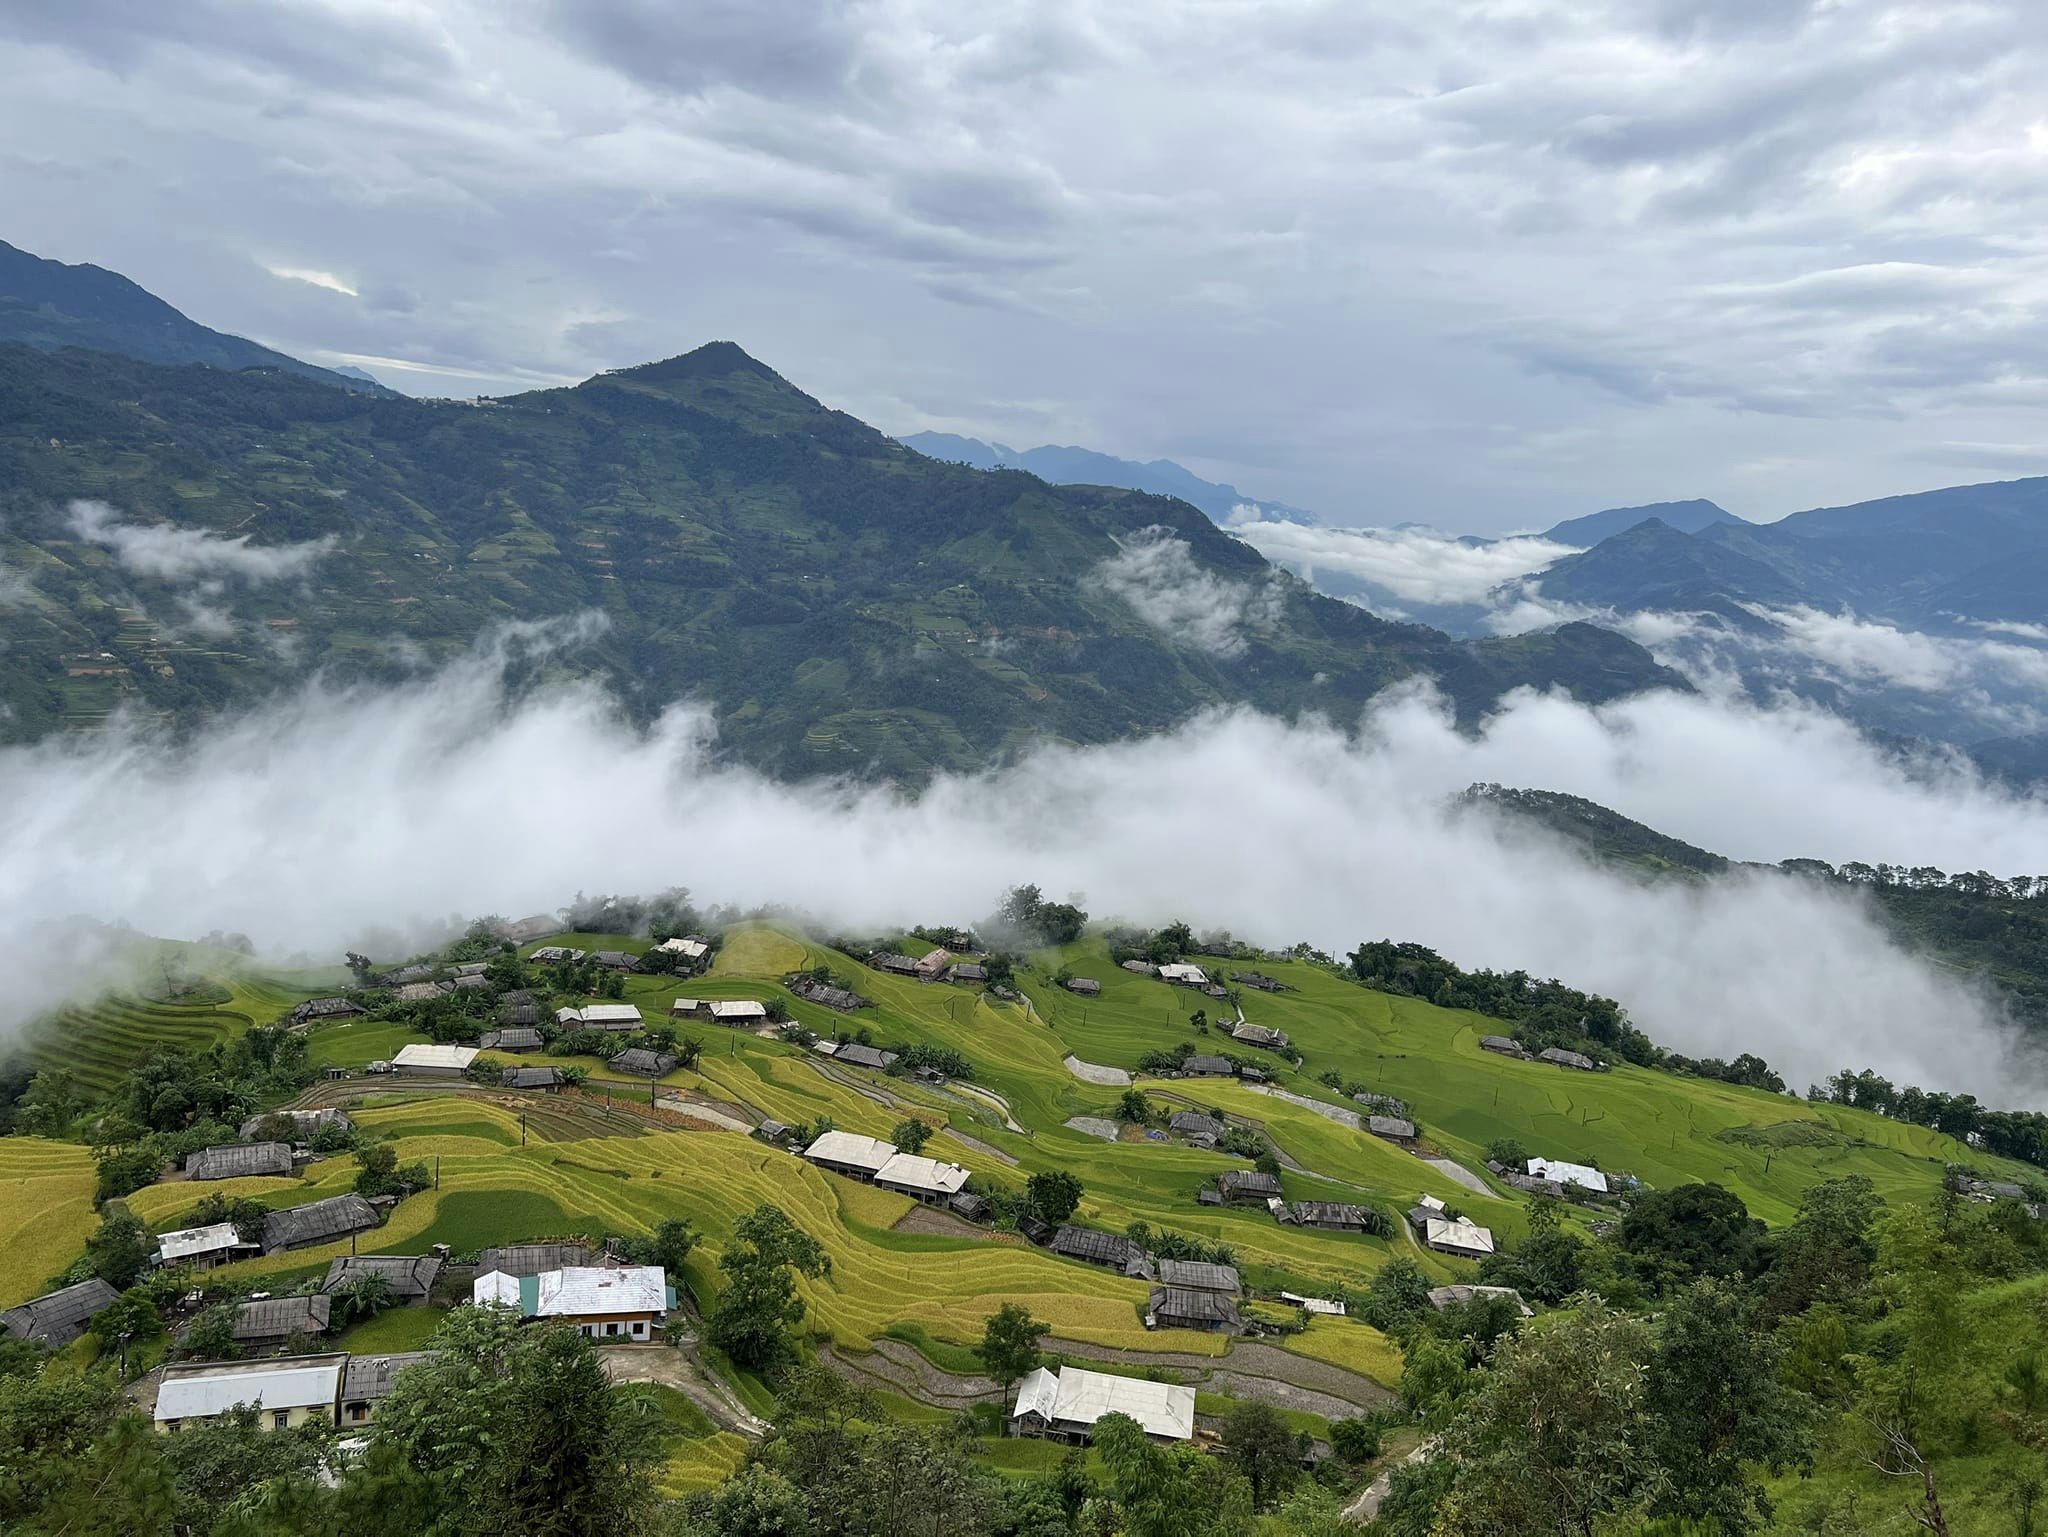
x: 58, y: 1317
x: 1162, y: 1408
x: 852, y: 1150
x: 579, y: 1290
x: 1199, y: 1276
x: 372, y: 1377
x: 187, y: 1242
x: 1038, y: 1393
x: 216, y: 1387
x: 296, y: 1227
x: 1458, y: 1234
x: 277, y: 1317
x: 1193, y: 975
x: 424, y: 1054
x: 1583, y: 1175
x: 240, y: 1160
x: 929, y: 1175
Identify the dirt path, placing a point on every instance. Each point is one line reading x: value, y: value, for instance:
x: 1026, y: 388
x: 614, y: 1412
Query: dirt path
x: 1367, y: 1506
x: 679, y: 1370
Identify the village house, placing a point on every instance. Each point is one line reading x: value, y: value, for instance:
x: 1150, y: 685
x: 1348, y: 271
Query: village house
x: 368, y: 1380
x: 1557, y: 1056
x: 643, y: 1063
x: 304, y: 1123
x: 1112, y: 1251
x: 1332, y: 1216
x: 59, y: 1317
x: 422, y: 992
x: 969, y: 1207
x: 1083, y: 987
x: 1173, y: 1307
x: 1205, y: 1066
x: 1585, y: 1176
x: 1257, y: 979
x: 516, y: 1038
x: 300, y: 1227
x: 1529, y: 1184
x: 925, y: 1179
x: 1141, y: 968
x: 240, y: 1160
x: 1202, y: 1130
x: 299, y: 1390
x: 202, y: 1248
x: 532, y: 1078
x: 896, y: 965
x: 407, y: 976
x: 615, y: 960
x: 470, y: 981
x: 1064, y: 1405
x: 621, y: 1018
x: 738, y: 1012
x: 272, y: 1322
x: 967, y: 971
x: 433, y: 1060
x: 1247, y: 1185
x: 1449, y: 1235
x: 689, y: 949
x: 1392, y: 1127
x: 1184, y: 975
x: 1328, y: 1307
x: 1260, y: 1035
x: 532, y: 1258
x: 811, y: 990
x: 858, y: 1055
x: 775, y: 1133
x: 932, y: 965
x: 1502, y: 1045
x: 411, y: 1277
x: 555, y: 955
x: 1442, y: 1297
x: 849, y: 1153
x: 319, y: 1010
x: 612, y: 1302
x: 1199, y: 1275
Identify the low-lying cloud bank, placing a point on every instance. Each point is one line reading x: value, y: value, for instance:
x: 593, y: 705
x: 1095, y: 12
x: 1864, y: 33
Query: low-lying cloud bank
x: 171, y: 554
x: 1159, y: 577
x: 1414, y: 566
x: 342, y: 814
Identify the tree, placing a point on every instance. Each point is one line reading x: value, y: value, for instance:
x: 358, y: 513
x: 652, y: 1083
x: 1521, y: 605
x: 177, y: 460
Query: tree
x: 363, y: 1296
x: 376, y: 1164
x: 119, y: 1251
x: 1827, y: 1252
x: 130, y: 1318
x: 674, y: 1238
x: 1053, y: 1194
x: 125, y: 1170
x: 689, y: 1051
x: 211, y: 1336
x: 52, y: 1102
x: 1134, y: 1108
x: 1718, y: 1408
x: 1009, y: 1342
x: 1168, y: 1491
x: 1507, y: 1152
x: 217, y: 1463
x: 757, y: 1501
x: 361, y: 967
x: 1688, y: 1231
x: 1552, y: 1440
x: 911, y: 1135
x: 1396, y: 1296
x: 760, y: 1304
x: 1261, y: 1447
x: 519, y: 1430
x: 1355, y: 1439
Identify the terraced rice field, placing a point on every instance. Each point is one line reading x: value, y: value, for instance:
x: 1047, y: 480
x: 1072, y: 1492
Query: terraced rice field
x: 102, y: 1040
x: 45, y: 1212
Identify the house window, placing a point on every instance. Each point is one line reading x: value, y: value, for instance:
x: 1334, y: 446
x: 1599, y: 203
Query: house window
x: 279, y: 1418
x: 171, y: 1425
x: 611, y: 1328
x: 639, y: 1331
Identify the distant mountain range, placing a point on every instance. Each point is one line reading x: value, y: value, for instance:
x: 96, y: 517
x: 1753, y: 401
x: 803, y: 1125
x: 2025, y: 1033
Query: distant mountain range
x: 1687, y: 517
x: 49, y: 304
x: 1085, y: 467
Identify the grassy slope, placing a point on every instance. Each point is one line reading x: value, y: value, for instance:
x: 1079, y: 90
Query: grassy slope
x: 45, y: 1212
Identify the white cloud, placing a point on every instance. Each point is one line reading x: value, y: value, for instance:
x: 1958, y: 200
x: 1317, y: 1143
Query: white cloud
x: 1416, y: 565
x: 315, y: 278
x: 171, y: 554
x: 1157, y: 575
x: 1334, y: 838
x: 1866, y: 651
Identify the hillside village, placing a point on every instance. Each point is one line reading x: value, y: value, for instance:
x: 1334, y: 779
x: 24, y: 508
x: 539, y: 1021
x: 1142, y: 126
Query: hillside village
x: 1221, y: 1194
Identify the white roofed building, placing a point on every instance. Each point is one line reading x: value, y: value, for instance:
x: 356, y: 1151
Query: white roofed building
x: 1065, y: 1405
x: 1187, y: 976
x: 434, y: 1060
x: 297, y: 1390
x: 621, y: 1302
x: 1583, y: 1175
x: 203, y: 1247
x: 851, y: 1154
x: 1459, y: 1236
x: 601, y: 1016
x: 926, y: 1179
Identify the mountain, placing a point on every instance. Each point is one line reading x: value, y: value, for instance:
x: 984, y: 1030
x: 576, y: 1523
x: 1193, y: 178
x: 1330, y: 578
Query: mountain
x: 49, y: 304
x: 847, y: 604
x: 1085, y: 467
x: 1687, y: 517
x: 1932, y: 560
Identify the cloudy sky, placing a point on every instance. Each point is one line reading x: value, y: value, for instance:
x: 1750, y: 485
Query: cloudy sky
x: 1483, y: 263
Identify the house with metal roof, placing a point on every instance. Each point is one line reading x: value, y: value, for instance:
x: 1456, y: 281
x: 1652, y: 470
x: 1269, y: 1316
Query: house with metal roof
x: 1502, y: 1045
x: 1329, y: 1307
x: 59, y: 1317
x: 1247, y: 1185
x: 411, y: 1277
x: 519, y: 1016
x: 933, y: 963
x: 601, y: 1016
x: 851, y: 1154
x: 617, y: 1302
x: 318, y: 1010
x: 1459, y: 1236
x: 1194, y: 1124
x: 1585, y: 1176
x: 433, y: 1060
x: 267, y: 1324
x: 1198, y: 1275
x: 1257, y: 979
x: 1065, y: 1405
x: 738, y: 1012
x: 615, y: 960
x: 1203, y: 1065
x: 551, y: 955
x: 896, y: 965
x: 298, y: 1390
x: 532, y: 1078
x: 301, y: 1227
x: 858, y: 1055
x: 532, y: 1258
x: 643, y: 1063
x: 967, y: 971
x: 825, y: 995
x: 1175, y: 1307
x: 1557, y: 1056
x: 1086, y: 987
x: 368, y: 1380
x: 1392, y: 1127
x: 1260, y: 1035
x: 240, y: 1160
x: 689, y: 948
x: 515, y: 1038
x: 1183, y: 974
x: 202, y: 1248
x: 1442, y: 1297
x: 1091, y: 1246
x: 925, y: 1179
x: 1334, y: 1216
x: 422, y: 992
x: 1141, y: 968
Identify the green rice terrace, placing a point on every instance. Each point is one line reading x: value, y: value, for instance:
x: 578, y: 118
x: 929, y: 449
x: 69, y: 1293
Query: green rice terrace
x: 902, y: 1308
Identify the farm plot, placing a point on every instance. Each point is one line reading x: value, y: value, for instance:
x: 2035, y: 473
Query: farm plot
x: 45, y: 1212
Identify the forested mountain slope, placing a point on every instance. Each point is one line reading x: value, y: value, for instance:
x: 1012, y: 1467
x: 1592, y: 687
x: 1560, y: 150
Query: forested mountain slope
x: 847, y: 604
